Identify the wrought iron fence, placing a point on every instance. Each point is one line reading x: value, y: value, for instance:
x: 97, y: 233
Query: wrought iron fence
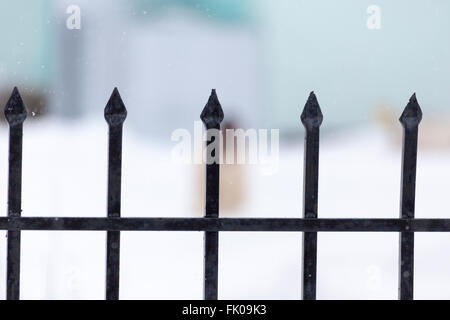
x: 212, y: 224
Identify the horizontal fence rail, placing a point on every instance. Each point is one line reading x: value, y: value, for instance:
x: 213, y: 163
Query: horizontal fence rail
x: 211, y: 224
x: 226, y: 224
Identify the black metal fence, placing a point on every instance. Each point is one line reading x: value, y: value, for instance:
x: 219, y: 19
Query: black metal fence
x: 211, y: 224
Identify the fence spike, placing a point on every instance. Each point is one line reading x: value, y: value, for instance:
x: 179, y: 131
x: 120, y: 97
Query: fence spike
x: 15, y: 110
x: 115, y: 111
x: 15, y: 114
x: 412, y: 114
x: 312, y: 119
x: 410, y: 119
x: 115, y: 114
x: 212, y: 114
x: 312, y: 115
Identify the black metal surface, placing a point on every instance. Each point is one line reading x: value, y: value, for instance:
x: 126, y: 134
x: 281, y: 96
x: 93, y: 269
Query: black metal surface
x: 226, y: 224
x: 15, y: 113
x: 212, y: 116
x: 312, y: 119
x: 211, y: 224
x: 410, y: 119
x: 115, y: 115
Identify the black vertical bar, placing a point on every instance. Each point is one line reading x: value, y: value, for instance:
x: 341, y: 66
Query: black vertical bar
x: 115, y: 114
x: 212, y: 116
x: 15, y: 113
x: 311, y: 119
x: 410, y: 119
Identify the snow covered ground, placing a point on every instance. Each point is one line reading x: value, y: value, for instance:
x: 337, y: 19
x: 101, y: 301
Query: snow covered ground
x: 65, y: 175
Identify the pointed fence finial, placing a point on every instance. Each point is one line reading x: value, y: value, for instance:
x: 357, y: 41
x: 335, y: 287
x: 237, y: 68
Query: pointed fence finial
x: 15, y: 110
x: 412, y: 115
x: 212, y: 114
x: 115, y: 111
x: 410, y: 119
x: 312, y: 115
x: 312, y: 119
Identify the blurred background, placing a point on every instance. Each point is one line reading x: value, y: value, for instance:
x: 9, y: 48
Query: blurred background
x: 263, y: 57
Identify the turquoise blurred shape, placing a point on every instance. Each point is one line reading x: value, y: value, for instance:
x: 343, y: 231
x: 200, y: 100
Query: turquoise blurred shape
x: 232, y: 11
